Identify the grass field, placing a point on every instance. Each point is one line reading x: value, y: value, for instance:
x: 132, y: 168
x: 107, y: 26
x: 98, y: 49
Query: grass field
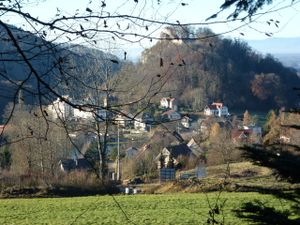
x: 140, y: 209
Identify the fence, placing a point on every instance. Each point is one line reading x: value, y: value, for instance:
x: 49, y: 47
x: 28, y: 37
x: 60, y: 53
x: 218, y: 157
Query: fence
x: 167, y: 174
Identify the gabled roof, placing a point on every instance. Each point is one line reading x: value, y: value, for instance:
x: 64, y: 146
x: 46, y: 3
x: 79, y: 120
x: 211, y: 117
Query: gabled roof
x: 79, y: 164
x: 181, y: 149
x: 131, y: 148
x: 240, y: 134
x: 211, y: 107
x: 195, y: 147
x: 215, y: 106
x: 124, y: 116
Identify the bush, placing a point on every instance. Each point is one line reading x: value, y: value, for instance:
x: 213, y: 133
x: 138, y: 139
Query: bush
x: 76, y: 183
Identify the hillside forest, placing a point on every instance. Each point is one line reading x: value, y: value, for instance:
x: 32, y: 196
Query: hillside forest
x: 197, y: 68
x: 213, y: 68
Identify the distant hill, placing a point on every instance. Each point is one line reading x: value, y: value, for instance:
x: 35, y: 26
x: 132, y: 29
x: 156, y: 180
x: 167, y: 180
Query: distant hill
x: 75, y: 62
x: 287, y: 50
x: 289, y: 60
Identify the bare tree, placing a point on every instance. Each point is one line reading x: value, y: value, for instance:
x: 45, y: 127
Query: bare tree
x: 36, y: 147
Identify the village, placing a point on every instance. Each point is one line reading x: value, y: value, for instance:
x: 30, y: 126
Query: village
x: 166, y: 141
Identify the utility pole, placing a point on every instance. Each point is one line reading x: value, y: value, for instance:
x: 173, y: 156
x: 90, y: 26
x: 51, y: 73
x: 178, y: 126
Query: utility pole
x: 118, y: 157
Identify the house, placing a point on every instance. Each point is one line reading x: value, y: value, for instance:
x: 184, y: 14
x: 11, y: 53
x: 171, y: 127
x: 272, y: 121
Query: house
x: 124, y: 119
x: 240, y: 135
x: 131, y: 152
x: 140, y: 124
x: 195, y: 147
x: 82, y: 114
x: 168, y: 103
x: 171, y: 115
x: 68, y: 165
x: 216, y: 109
x: 143, y: 123
x: 245, y: 136
x: 171, y: 154
x: 60, y: 109
x: 256, y: 130
x: 284, y: 139
x: 185, y: 122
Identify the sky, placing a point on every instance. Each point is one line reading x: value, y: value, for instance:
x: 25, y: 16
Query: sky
x: 193, y: 11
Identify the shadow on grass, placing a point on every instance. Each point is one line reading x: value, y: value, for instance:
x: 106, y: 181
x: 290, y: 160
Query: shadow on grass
x: 257, y: 212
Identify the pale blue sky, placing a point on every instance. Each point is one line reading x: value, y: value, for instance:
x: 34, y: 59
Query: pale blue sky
x: 195, y: 11
x: 171, y: 11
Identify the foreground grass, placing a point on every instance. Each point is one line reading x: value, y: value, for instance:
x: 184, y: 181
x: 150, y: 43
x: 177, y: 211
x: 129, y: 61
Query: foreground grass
x: 140, y: 209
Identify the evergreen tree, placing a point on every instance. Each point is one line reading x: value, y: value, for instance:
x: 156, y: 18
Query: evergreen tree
x: 284, y: 159
x: 273, y: 127
x: 247, y: 120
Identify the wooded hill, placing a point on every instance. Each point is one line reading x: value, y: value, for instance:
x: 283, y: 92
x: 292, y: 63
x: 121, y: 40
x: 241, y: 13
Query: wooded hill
x: 197, y: 72
x: 65, y: 68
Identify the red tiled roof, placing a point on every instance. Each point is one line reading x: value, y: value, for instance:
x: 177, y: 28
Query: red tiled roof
x: 235, y: 134
x: 215, y: 106
x: 212, y: 107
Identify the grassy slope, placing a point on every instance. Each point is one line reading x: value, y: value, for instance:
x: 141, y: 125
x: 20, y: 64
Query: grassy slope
x: 141, y: 209
x: 244, y: 177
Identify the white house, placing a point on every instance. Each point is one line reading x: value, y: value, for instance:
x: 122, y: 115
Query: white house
x: 185, y: 121
x: 216, y: 109
x: 173, y: 153
x: 143, y: 122
x: 168, y: 103
x: 81, y: 114
x: 140, y: 124
x: 284, y: 139
x: 60, y: 109
x: 124, y: 119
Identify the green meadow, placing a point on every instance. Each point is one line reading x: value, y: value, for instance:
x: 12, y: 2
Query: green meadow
x: 180, y: 208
